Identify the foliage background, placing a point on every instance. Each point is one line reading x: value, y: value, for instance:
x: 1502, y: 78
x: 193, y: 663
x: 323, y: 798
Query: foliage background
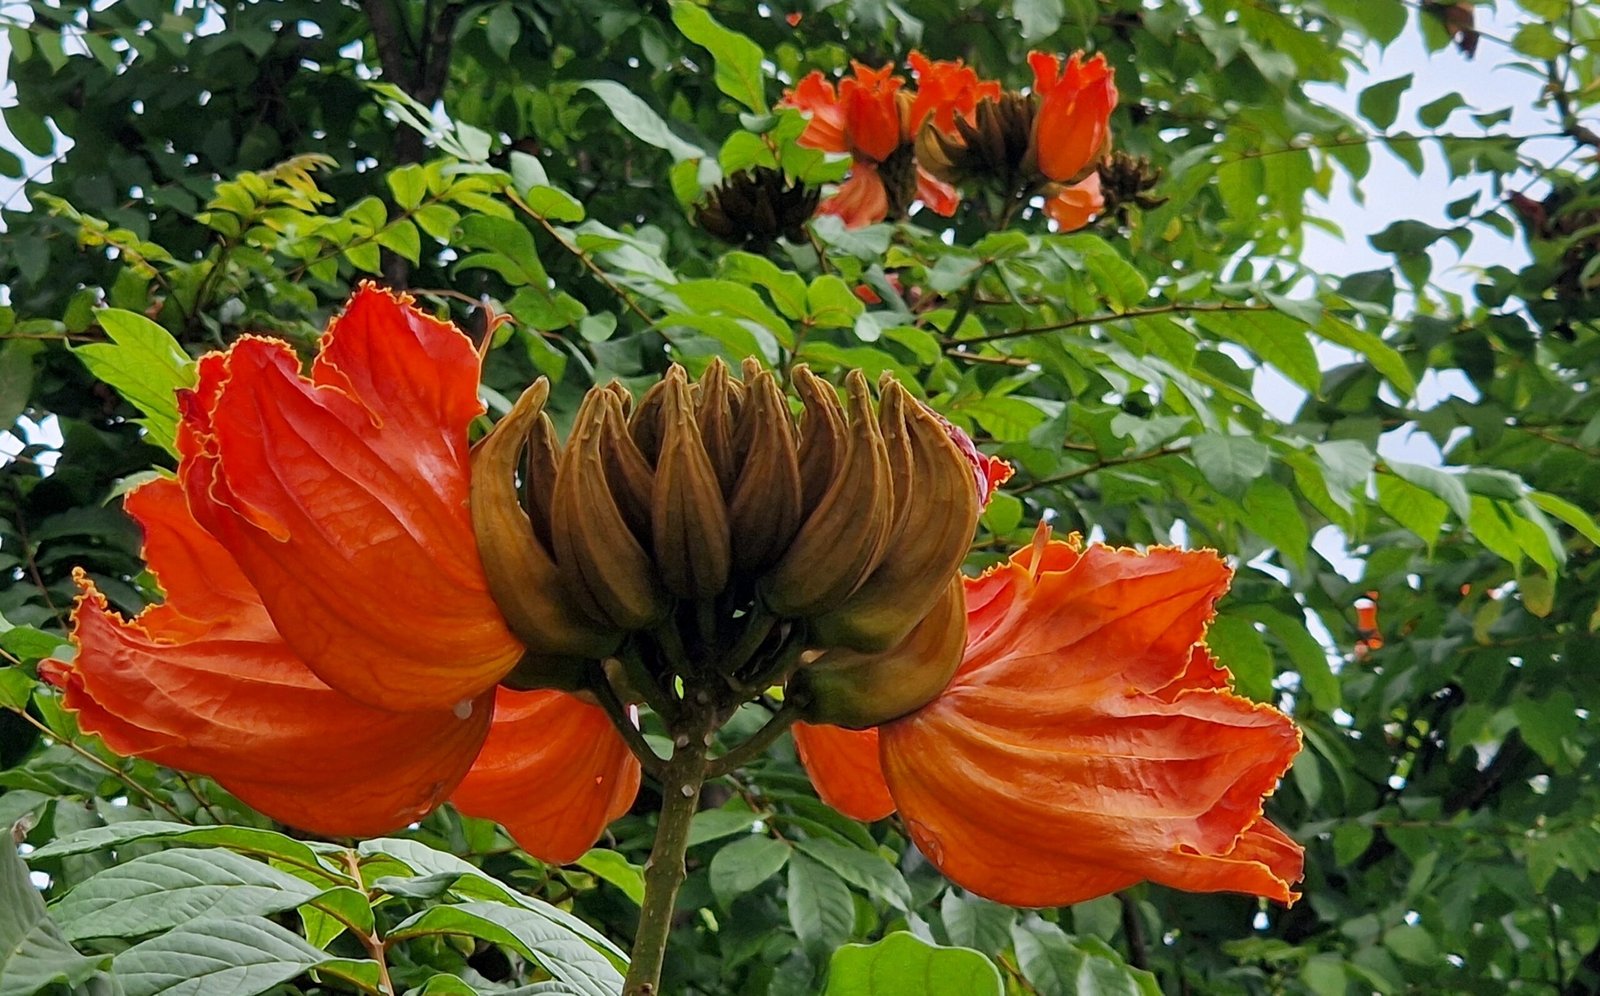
x: 237, y: 167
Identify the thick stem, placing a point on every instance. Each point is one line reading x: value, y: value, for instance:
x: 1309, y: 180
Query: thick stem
x: 681, y: 782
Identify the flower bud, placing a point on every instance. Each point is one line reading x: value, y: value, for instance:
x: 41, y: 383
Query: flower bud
x: 859, y: 690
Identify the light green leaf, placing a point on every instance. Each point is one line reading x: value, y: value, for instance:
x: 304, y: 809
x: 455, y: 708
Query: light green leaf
x: 902, y: 965
x: 738, y: 59
x: 612, y: 867
x: 642, y: 120
x: 1443, y: 485
x: 1569, y: 513
x: 146, y: 366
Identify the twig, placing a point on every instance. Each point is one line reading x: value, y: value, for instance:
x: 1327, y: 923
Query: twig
x: 758, y: 743
x: 1073, y: 475
x: 609, y: 701
x: 1178, y: 308
x: 115, y: 772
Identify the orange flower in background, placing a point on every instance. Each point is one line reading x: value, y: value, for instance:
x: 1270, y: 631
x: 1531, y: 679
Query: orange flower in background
x: 1072, y: 128
x: 1088, y: 741
x: 328, y: 649
x: 873, y: 119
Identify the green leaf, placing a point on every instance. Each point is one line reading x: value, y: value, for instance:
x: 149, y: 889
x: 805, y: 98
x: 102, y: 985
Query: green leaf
x: 640, y: 119
x: 511, y: 251
x: 474, y: 883
x: 1435, y: 112
x: 1412, y: 507
x: 745, y: 864
x: 610, y: 866
x: 34, y: 954
x: 1057, y: 964
x: 247, y: 840
x: 1545, y: 723
x: 866, y: 870
x: 1569, y: 513
x: 16, y: 379
x: 408, y: 184
x: 902, y: 965
x: 786, y: 288
x: 1240, y: 648
x: 820, y: 908
x: 168, y: 888
x: 146, y: 366
x: 738, y: 59
x: 1439, y: 483
x: 1271, y: 512
x: 567, y: 957
x: 1231, y: 463
x: 554, y: 204
x: 1380, y: 102
x: 213, y: 957
x: 831, y: 304
x: 1383, y: 357
x: 1273, y: 337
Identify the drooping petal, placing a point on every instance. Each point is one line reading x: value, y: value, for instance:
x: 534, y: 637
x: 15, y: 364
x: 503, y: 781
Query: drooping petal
x: 1075, y: 205
x: 348, y: 512
x: 844, y: 768
x: 554, y: 772
x: 204, y: 683
x: 860, y: 200
x: 1073, y: 123
x: 940, y: 198
x: 1084, y: 745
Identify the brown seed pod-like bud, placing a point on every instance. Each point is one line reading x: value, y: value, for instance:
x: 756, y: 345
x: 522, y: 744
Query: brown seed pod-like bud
x: 860, y: 690
x: 844, y: 538
x: 523, y: 577
x: 689, y: 517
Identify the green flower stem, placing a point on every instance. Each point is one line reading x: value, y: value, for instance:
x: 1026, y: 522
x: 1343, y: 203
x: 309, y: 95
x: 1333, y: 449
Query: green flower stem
x: 681, y: 783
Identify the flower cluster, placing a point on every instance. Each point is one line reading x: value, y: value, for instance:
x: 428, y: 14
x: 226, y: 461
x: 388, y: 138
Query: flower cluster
x: 363, y: 619
x: 909, y: 145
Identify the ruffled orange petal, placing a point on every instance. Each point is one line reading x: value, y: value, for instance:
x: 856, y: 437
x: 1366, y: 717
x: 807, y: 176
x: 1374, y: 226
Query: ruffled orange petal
x: 1083, y: 745
x: 1073, y: 121
x: 946, y: 89
x: 204, y: 683
x: 554, y: 772
x: 343, y: 499
x: 844, y: 767
x: 1074, y: 206
x: 860, y: 200
x: 815, y: 96
x: 871, y: 112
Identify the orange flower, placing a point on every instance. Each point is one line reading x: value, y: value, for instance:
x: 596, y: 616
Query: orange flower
x: 1072, y: 207
x: 328, y: 649
x: 1073, y: 125
x: 874, y: 120
x: 1088, y: 741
